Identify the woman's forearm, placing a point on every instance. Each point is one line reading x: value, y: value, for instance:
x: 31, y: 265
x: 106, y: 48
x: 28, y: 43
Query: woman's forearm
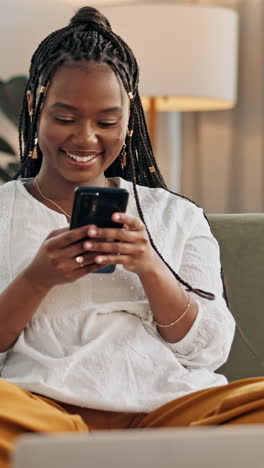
x: 18, y: 303
x: 168, y: 301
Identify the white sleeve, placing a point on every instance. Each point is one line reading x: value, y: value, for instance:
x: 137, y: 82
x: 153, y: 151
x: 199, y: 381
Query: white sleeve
x: 208, y: 342
x: 7, y: 193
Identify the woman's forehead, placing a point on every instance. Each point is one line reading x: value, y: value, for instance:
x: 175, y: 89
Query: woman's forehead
x: 81, y: 80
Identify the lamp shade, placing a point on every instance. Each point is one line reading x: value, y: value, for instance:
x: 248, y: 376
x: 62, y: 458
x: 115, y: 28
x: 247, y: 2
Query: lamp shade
x: 187, y: 54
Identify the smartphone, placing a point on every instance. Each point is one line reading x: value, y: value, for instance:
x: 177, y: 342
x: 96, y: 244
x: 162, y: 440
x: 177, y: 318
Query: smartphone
x: 95, y: 205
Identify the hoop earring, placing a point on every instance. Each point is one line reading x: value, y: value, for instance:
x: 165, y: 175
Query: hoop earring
x: 123, y: 156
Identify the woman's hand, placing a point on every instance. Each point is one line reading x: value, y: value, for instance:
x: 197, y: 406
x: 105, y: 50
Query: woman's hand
x: 55, y: 262
x: 129, y: 246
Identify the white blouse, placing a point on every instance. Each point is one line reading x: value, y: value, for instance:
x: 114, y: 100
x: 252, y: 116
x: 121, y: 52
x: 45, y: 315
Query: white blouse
x: 93, y: 343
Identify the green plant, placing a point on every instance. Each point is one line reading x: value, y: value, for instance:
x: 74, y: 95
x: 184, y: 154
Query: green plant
x: 11, y: 93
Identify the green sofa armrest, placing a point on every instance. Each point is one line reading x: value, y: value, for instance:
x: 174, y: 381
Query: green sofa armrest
x: 241, y: 241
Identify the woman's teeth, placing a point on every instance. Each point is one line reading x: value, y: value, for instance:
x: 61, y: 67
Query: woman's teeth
x: 81, y: 158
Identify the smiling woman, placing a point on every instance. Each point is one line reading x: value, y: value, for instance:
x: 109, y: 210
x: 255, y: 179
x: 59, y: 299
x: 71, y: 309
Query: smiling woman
x: 83, y: 126
x: 137, y: 347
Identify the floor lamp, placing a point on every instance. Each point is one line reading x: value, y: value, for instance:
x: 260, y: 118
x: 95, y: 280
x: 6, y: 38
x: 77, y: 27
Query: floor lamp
x: 187, y: 55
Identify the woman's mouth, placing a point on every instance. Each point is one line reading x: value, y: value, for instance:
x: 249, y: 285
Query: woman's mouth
x: 81, y: 160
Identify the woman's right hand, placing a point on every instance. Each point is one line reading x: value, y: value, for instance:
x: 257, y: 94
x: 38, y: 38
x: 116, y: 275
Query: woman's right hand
x: 55, y: 262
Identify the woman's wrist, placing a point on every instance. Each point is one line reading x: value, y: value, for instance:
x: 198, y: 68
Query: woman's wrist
x: 181, y: 317
x: 31, y: 280
x: 152, y: 270
x: 169, y: 302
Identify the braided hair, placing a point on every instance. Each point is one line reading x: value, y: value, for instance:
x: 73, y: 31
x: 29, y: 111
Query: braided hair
x: 89, y: 37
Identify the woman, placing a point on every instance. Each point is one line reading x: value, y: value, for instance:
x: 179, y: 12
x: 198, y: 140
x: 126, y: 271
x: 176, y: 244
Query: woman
x: 135, y: 348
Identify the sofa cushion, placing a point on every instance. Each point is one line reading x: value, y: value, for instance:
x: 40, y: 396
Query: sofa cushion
x: 241, y: 240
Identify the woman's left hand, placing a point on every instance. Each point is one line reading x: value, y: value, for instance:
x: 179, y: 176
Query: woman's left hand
x: 129, y: 246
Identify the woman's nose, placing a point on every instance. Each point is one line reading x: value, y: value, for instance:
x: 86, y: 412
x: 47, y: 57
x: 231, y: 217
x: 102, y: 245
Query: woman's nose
x: 86, y: 133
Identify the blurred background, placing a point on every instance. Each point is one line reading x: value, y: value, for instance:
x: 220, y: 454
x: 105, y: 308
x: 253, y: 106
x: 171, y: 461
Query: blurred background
x: 202, y: 77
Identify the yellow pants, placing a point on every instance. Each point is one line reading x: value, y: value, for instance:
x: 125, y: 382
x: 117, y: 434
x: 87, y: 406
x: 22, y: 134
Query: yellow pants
x: 241, y: 402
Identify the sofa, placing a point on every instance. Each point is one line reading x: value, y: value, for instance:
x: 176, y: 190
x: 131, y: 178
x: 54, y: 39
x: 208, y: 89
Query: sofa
x: 241, y: 240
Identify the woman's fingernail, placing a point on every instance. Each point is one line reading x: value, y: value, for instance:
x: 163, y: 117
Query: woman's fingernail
x: 99, y: 260
x: 117, y: 217
x: 87, y: 245
x: 92, y: 232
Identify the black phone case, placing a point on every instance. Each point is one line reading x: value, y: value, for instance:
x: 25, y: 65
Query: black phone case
x: 95, y: 205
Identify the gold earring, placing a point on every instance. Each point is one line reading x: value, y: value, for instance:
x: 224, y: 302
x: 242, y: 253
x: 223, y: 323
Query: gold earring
x: 123, y: 157
x: 34, y: 154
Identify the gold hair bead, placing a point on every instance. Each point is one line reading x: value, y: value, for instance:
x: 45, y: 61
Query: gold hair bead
x: 152, y: 169
x: 30, y: 154
x: 130, y: 95
x: 42, y: 89
x: 130, y: 133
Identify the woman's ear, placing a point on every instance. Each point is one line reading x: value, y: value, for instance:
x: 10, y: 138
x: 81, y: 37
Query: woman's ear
x: 30, y: 103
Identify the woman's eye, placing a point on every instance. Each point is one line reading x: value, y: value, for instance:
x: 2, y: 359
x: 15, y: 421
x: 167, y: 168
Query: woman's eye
x: 64, y: 121
x: 107, y: 124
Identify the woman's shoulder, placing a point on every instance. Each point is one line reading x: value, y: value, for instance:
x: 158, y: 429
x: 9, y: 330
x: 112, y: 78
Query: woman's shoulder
x: 7, y: 189
x: 160, y: 206
x: 7, y: 199
x: 161, y: 197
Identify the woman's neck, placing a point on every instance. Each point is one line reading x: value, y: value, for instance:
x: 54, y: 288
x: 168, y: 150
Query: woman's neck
x: 59, y: 195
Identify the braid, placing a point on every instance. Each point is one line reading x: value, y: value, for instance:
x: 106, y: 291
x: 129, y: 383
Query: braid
x: 89, y: 37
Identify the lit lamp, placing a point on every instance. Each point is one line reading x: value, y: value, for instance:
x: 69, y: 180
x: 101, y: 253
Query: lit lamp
x: 187, y: 55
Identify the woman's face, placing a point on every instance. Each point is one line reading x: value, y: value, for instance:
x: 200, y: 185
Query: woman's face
x: 83, y: 123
